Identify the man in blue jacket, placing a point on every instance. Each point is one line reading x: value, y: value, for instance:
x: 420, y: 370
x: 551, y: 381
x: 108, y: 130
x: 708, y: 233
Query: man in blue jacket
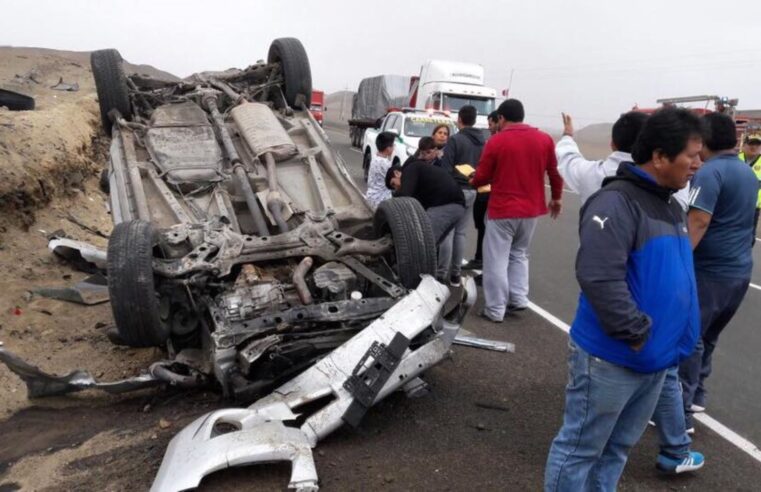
x: 638, y: 311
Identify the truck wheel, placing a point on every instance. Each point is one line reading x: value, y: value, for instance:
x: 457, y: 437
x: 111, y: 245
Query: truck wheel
x: 411, y: 231
x: 366, y: 164
x: 134, y: 301
x: 294, y: 65
x: 111, y: 84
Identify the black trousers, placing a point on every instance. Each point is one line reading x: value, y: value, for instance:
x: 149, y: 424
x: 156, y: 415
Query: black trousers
x: 479, y: 219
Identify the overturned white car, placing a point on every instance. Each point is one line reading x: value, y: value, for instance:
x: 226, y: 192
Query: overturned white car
x: 242, y: 246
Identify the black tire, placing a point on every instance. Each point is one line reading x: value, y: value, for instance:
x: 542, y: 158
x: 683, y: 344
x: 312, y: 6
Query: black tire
x: 103, y: 183
x: 111, y: 84
x: 414, y: 243
x: 15, y: 101
x: 366, y: 158
x: 294, y: 65
x: 134, y: 301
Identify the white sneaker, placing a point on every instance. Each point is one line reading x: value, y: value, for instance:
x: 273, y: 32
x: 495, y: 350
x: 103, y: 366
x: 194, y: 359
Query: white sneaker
x: 691, y: 431
x: 697, y: 408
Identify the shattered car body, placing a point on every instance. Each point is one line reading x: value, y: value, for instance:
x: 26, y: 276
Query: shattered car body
x: 238, y: 230
x: 242, y: 246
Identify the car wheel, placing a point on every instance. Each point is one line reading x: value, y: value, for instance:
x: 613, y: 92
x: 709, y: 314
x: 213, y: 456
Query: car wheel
x: 366, y: 164
x: 103, y: 183
x: 15, y: 101
x: 111, y: 84
x: 294, y: 65
x: 134, y: 301
x: 411, y: 231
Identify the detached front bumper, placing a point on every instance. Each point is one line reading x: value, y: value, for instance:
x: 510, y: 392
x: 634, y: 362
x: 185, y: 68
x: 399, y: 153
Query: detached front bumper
x: 266, y: 431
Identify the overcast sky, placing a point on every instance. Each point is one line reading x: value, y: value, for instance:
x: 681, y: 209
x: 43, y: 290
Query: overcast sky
x: 593, y: 59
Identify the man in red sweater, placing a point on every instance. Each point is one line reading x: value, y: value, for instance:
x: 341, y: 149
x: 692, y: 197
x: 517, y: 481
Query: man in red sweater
x: 514, y: 162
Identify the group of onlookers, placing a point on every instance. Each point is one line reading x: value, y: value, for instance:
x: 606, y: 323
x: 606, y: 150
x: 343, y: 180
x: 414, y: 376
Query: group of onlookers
x: 666, y: 229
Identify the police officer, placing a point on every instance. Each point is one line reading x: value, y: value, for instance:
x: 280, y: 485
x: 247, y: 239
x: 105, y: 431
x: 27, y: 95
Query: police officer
x: 751, y: 151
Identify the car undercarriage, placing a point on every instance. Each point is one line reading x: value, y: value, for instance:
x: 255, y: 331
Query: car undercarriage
x: 242, y: 248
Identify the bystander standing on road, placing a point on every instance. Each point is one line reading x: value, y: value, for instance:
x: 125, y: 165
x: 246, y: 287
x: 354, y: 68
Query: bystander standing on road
x: 720, y: 221
x: 479, y: 208
x: 432, y: 186
x: 751, y: 153
x: 464, y: 148
x: 638, y: 311
x: 586, y: 178
x: 379, y: 166
x: 514, y: 162
x: 441, y: 137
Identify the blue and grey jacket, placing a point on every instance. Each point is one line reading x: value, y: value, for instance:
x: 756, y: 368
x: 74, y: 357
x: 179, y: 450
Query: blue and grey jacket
x: 637, y: 280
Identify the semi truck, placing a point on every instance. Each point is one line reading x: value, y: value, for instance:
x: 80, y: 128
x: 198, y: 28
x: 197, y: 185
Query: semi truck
x: 447, y: 86
x: 375, y: 97
x: 317, y: 108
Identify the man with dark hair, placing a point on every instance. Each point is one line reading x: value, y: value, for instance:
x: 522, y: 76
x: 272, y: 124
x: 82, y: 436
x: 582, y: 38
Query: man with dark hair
x: 720, y: 221
x: 432, y: 186
x: 514, y: 162
x: 479, y: 209
x: 638, y: 312
x: 464, y: 147
x: 586, y: 177
x: 751, y: 151
x: 376, y: 188
x: 493, y: 121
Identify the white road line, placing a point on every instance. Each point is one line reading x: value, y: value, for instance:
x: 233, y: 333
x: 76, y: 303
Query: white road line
x: 705, y: 419
x: 756, y: 286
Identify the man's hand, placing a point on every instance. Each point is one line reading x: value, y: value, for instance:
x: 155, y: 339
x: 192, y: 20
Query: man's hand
x: 555, y: 206
x: 638, y: 346
x: 567, y: 125
x: 396, y: 181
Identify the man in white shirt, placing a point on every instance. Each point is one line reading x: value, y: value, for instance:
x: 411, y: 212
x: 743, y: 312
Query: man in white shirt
x: 584, y: 176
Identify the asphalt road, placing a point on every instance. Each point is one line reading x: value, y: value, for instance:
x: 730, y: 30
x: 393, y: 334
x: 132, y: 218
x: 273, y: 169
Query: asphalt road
x: 487, y: 423
x: 734, y: 390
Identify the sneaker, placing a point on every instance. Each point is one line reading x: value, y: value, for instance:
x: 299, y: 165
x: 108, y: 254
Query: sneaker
x: 515, y: 308
x: 651, y: 423
x: 690, y: 430
x: 695, y: 408
x: 474, y: 265
x: 455, y: 281
x: 667, y: 464
x: 483, y: 315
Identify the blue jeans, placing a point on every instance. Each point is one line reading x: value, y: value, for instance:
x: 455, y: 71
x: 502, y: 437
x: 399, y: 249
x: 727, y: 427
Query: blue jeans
x: 606, y: 411
x: 669, y: 418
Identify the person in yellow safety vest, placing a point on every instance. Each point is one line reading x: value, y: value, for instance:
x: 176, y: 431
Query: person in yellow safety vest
x: 751, y: 151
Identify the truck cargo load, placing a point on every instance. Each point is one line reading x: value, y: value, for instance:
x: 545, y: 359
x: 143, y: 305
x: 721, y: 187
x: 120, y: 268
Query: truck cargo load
x: 374, y: 98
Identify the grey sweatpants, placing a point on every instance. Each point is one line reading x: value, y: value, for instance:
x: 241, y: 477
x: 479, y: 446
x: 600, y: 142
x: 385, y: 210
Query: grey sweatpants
x: 452, y: 248
x: 505, y: 275
x: 443, y: 219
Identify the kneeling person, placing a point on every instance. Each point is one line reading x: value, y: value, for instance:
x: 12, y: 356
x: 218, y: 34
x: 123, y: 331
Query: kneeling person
x: 433, y: 187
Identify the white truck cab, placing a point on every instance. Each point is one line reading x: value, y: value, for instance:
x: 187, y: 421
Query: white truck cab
x: 447, y: 86
x: 410, y: 126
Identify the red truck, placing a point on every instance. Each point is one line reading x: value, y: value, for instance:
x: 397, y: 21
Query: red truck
x: 318, y: 105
